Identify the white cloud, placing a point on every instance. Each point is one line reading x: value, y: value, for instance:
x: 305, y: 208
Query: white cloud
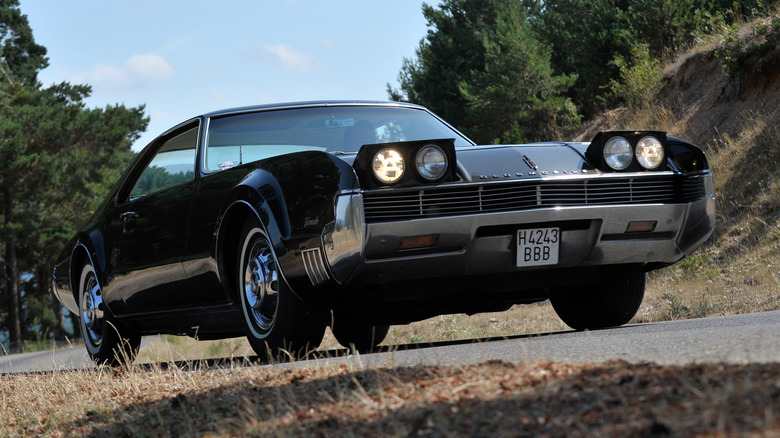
x: 326, y: 44
x: 149, y: 67
x: 291, y: 58
x: 138, y: 71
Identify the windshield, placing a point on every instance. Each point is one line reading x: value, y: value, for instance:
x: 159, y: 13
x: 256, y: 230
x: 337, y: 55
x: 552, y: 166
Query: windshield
x: 243, y: 138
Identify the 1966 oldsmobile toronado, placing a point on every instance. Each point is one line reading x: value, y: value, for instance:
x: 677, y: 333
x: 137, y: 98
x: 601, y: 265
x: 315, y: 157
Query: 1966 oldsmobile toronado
x: 276, y: 221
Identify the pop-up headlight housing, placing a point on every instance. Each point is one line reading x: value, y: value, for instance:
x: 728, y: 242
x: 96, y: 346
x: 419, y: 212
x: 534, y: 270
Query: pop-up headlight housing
x: 403, y: 164
x: 629, y: 151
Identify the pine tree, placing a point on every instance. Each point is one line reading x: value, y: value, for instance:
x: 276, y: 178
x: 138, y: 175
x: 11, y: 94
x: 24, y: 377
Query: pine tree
x: 54, y: 154
x: 481, y: 68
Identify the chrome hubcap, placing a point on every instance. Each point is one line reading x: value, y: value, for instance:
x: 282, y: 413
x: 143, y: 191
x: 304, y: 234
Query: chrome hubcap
x: 91, y: 311
x: 261, y: 286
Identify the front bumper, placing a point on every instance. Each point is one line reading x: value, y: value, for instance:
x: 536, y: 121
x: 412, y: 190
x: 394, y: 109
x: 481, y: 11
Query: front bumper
x: 480, y: 244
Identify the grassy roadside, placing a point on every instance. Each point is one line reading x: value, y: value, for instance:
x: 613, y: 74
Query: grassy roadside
x: 488, y: 399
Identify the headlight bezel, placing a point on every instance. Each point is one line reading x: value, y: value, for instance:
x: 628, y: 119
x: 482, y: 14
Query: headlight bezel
x: 409, y: 150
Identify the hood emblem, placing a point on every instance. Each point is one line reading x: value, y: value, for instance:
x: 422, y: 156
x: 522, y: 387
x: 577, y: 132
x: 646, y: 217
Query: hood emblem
x: 530, y: 162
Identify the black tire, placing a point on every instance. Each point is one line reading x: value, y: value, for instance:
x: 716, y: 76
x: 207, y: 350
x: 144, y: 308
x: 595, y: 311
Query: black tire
x: 276, y: 322
x: 105, y: 342
x: 357, y: 336
x: 612, y: 302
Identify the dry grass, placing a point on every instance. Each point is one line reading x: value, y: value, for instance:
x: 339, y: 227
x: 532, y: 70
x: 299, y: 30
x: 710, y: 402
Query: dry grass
x: 518, y: 320
x: 489, y: 399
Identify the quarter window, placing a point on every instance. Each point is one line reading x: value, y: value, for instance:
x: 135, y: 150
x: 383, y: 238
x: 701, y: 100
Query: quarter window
x: 174, y: 164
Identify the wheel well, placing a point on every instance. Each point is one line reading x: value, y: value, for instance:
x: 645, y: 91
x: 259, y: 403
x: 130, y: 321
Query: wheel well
x: 77, y: 260
x: 228, y: 242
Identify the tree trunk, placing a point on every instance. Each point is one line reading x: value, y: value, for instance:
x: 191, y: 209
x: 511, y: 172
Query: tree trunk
x: 11, y: 276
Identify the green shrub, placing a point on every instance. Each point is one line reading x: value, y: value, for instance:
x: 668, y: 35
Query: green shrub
x: 677, y: 310
x: 735, y: 49
x: 639, y: 79
x: 730, y: 52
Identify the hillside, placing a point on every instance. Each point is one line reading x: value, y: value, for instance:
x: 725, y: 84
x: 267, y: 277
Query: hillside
x: 700, y: 103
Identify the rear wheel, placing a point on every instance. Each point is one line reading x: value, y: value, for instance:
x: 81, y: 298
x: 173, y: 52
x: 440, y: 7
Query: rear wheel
x: 361, y: 337
x: 276, y: 322
x: 612, y: 302
x: 105, y: 343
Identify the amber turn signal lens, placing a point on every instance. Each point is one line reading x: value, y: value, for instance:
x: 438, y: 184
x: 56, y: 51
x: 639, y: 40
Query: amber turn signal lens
x: 640, y: 226
x: 419, y: 241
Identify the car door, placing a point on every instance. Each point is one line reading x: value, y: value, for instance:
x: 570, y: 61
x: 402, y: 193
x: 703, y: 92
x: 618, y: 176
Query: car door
x: 149, y: 228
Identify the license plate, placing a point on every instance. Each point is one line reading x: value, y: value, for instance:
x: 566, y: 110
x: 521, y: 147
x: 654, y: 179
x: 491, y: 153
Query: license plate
x: 538, y: 246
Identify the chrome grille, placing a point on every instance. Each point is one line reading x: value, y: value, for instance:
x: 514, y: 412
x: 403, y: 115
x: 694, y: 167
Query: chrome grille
x: 443, y: 201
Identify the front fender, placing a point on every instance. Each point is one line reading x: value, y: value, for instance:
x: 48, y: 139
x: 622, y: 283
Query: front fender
x: 293, y: 196
x: 243, y: 204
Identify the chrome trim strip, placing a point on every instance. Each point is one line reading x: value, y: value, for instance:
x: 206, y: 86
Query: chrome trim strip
x: 315, y: 266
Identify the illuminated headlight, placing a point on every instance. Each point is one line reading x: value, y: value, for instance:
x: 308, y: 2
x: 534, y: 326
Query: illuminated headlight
x: 649, y: 152
x: 388, y: 165
x: 431, y: 162
x: 618, y: 153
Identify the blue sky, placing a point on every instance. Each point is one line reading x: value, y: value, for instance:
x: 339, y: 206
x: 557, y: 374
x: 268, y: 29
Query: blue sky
x: 184, y: 58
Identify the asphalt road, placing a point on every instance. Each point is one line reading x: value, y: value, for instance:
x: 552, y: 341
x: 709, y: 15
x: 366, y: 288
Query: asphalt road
x: 750, y: 338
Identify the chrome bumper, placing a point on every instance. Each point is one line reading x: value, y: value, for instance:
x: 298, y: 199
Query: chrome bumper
x: 486, y: 243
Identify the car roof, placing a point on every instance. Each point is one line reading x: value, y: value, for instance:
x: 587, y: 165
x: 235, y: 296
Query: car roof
x: 310, y: 104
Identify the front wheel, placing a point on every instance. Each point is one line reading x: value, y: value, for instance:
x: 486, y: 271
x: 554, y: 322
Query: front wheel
x: 105, y: 343
x: 610, y: 303
x: 275, y: 320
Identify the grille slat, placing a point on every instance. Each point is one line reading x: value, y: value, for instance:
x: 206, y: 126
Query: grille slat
x: 517, y: 196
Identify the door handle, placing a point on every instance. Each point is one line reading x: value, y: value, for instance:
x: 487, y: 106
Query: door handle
x: 128, y: 216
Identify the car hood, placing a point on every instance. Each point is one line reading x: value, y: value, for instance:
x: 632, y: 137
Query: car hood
x: 523, y: 161
x: 513, y: 162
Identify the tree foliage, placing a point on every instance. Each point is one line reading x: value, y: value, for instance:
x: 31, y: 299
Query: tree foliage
x: 575, y: 51
x: 515, y: 96
x: 56, y: 155
x: 588, y: 36
x: 446, y: 57
x: 481, y: 68
x: 20, y: 54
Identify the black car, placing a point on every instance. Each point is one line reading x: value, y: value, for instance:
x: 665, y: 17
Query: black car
x: 276, y: 221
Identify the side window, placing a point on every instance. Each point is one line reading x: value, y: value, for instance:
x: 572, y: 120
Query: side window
x: 174, y: 164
